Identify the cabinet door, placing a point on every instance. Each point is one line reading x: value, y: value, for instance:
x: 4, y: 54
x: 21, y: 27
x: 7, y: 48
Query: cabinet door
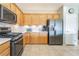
x: 27, y: 19
x: 43, y: 38
x: 13, y: 9
x: 26, y: 38
x: 18, y: 16
x: 7, y: 5
x: 56, y: 16
x: 6, y: 52
x: 43, y: 19
x: 50, y: 16
x: 34, y: 38
x: 21, y: 19
x: 35, y: 19
x: 5, y: 49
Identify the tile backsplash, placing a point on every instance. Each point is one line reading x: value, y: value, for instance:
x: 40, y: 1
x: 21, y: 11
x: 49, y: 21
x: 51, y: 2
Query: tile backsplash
x: 22, y: 29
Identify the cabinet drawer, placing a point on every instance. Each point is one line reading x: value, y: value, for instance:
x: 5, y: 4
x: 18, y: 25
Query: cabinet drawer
x: 6, y: 52
x: 4, y: 46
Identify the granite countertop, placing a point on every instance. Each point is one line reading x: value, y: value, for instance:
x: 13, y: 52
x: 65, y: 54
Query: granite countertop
x: 3, y: 40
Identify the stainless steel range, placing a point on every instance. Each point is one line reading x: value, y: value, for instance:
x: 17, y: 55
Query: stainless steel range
x: 16, y: 43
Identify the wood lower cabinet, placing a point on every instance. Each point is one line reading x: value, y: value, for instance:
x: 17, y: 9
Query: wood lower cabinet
x: 26, y: 38
x: 35, y: 38
x: 43, y: 38
x: 6, y: 52
x: 5, y: 49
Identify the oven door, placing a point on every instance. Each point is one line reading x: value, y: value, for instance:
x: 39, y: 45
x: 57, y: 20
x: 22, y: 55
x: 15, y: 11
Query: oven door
x: 17, y: 47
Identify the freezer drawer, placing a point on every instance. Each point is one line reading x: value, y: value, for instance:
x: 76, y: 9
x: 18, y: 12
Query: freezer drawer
x: 56, y: 40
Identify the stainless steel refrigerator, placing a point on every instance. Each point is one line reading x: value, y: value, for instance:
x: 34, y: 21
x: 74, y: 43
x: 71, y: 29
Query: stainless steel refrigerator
x: 55, y: 32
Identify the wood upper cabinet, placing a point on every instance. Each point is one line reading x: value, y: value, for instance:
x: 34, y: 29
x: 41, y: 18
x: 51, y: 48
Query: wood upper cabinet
x: 56, y: 16
x: 20, y: 19
x: 27, y: 19
x: 18, y: 16
x: 7, y: 5
x: 35, y: 19
x: 5, y: 49
x: 49, y: 16
x: 38, y: 19
x: 32, y: 19
x: 43, y: 19
x: 13, y: 8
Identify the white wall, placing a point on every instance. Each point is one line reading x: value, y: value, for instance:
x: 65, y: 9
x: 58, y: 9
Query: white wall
x: 78, y: 22
x: 60, y: 11
x: 70, y: 25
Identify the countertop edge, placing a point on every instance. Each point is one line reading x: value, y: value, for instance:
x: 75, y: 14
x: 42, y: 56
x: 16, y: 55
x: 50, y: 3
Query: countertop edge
x: 3, y: 40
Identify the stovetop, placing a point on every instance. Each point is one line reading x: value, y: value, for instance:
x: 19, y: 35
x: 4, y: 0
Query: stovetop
x: 11, y: 35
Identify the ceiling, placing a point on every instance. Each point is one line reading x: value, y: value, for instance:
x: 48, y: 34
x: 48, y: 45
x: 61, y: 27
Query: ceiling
x: 39, y: 7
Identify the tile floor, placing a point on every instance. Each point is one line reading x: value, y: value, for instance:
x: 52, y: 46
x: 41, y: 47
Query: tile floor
x: 50, y: 50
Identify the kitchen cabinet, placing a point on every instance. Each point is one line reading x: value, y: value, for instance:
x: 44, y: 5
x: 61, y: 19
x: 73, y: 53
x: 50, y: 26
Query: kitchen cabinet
x: 56, y: 16
x: 49, y: 16
x: 43, y: 38
x: 53, y: 16
x: 35, y: 19
x: 27, y: 19
x: 18, y: 16
x: 38, y: 19
x: 5, y: 49
x: 39, y: 38
x: 17, y: 11
x: 26, y: 38
x: 32, y: 19
x: 34, y: 39
x: 13, y: 8
x: 43, y: 19
x: 20, y: 20
x: 7, y: 5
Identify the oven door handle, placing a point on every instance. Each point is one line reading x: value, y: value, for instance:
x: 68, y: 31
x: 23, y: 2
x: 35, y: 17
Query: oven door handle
x: 18, y: 40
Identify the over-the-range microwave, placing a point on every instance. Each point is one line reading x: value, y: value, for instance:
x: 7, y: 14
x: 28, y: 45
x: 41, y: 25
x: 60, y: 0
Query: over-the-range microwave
x: 7, y: 16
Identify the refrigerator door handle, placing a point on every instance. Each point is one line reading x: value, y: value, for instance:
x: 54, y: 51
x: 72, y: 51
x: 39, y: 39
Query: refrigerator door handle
x: 55, y: 32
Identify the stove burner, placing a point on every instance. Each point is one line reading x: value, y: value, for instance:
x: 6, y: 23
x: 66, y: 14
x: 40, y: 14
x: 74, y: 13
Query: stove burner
x: 10, y: 35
